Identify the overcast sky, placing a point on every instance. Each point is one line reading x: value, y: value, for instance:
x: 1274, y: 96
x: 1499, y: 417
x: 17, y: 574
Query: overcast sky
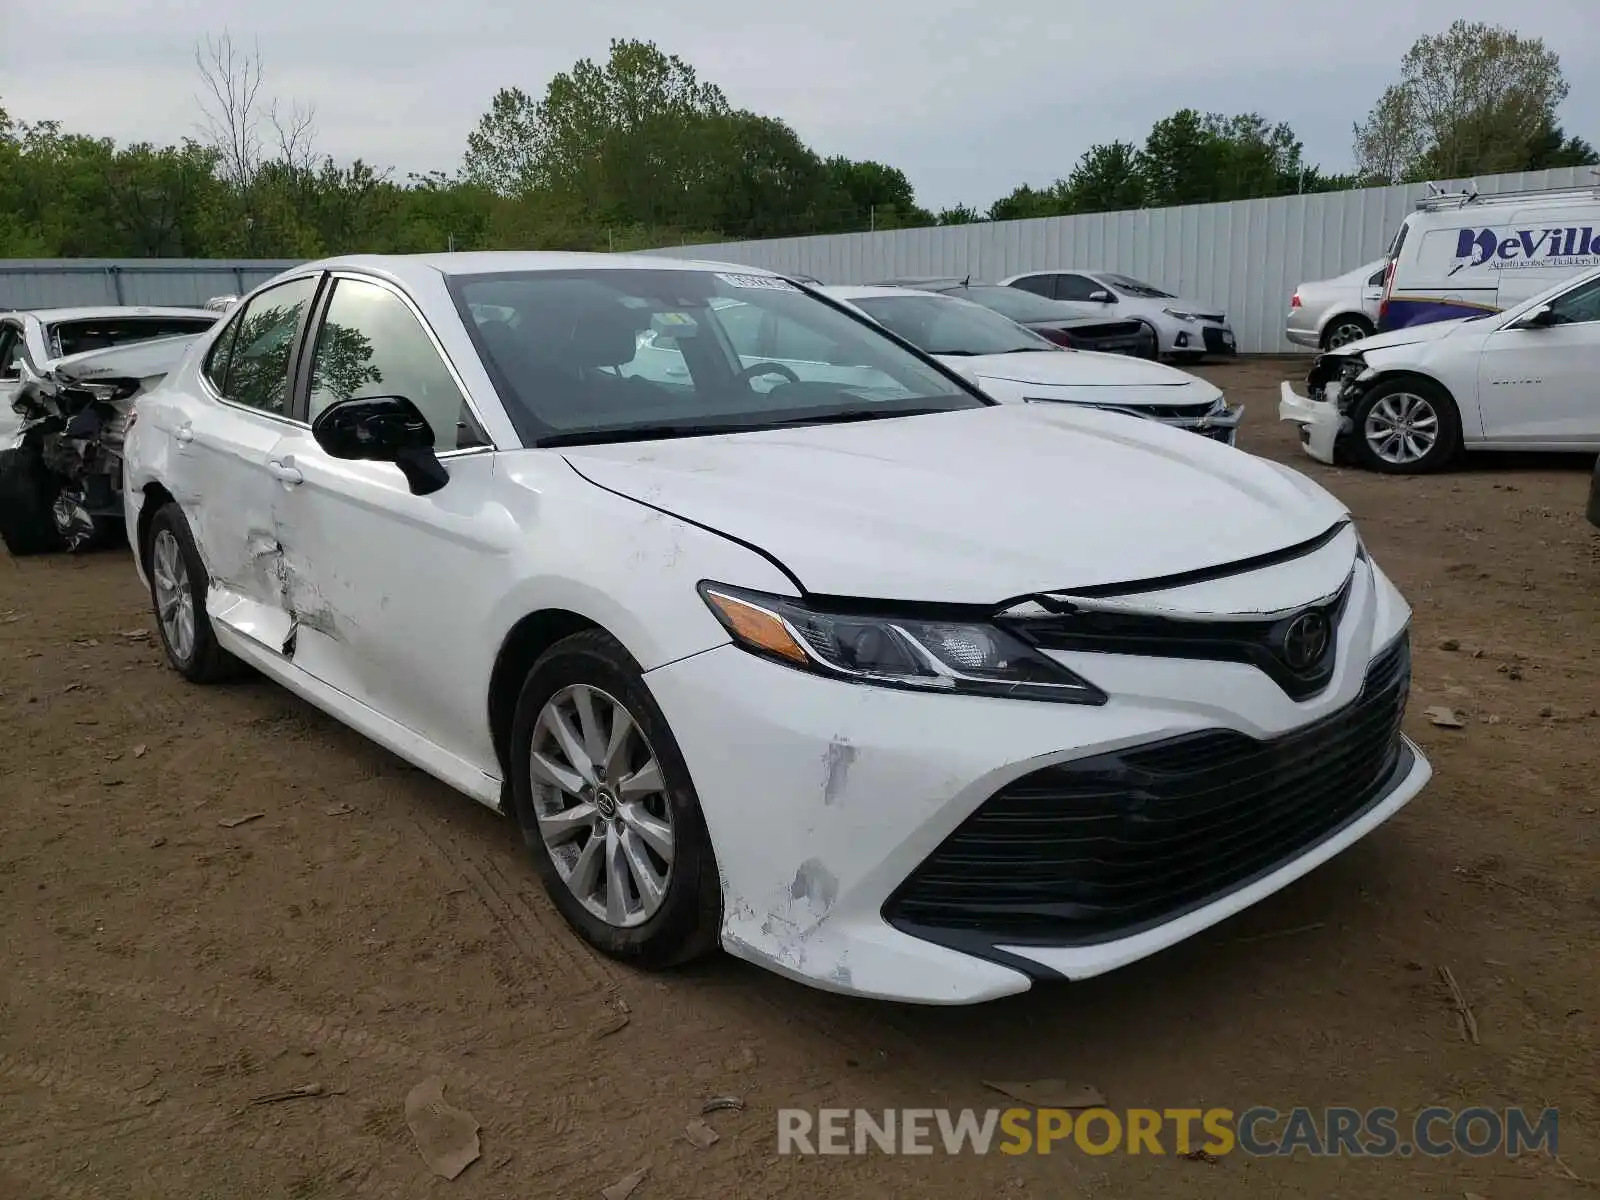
x: 968, y: 99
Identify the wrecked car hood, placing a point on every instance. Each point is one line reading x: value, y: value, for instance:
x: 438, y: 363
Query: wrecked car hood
x: 1091, y: 378
x: 975, y: 506
x: 1411, y: 335
x: 138, y: 360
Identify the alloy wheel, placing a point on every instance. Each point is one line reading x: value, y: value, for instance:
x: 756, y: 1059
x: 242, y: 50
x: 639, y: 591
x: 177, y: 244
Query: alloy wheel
x: 1402, y: 428
x: 601, y: 805
x: 1345, y: 333
x: 174, y: 597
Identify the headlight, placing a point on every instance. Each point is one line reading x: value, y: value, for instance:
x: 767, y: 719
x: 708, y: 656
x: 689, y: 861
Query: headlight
x: 1180, y: 314
x: 890, y: 651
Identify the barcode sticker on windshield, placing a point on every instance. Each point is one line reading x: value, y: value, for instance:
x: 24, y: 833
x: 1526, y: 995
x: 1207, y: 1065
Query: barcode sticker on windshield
x: 770, y: 282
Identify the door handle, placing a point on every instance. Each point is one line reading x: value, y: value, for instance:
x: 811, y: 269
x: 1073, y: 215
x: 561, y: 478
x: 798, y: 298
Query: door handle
x: 183, y: 434
x: 284, y: 472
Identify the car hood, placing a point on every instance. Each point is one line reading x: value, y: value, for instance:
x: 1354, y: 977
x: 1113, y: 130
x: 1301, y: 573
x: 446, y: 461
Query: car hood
x: 973, y: 507
x: 1411, y: 335
x: 1079, y: 368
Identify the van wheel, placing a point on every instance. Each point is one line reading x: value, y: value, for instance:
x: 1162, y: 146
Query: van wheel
x: 27, y: 490
x: 1343, y: 330
x: 1405, y: 427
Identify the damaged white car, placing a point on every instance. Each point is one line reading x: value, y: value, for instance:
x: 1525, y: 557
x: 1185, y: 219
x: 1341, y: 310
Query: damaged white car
x: 864, y: 677
x: 68, y: 378
x: 1409, y: 401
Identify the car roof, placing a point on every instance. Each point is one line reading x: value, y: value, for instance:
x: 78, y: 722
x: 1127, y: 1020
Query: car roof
x: 410, y: 268
x: 54, y: 316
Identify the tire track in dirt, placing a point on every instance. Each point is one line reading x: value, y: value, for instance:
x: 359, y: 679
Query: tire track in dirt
x: 538, y: 931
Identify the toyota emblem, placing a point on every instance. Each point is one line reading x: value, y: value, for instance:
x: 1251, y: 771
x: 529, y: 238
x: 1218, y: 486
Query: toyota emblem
x: 1305, y: 641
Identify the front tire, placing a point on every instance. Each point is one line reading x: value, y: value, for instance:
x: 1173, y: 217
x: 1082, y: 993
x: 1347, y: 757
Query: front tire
x: 27, y: 491
x: 607, y: 808
x: 1405, y: 426
x: 178, y: 585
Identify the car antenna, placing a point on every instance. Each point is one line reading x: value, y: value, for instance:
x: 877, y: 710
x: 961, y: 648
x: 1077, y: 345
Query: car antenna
x: 967, y: 282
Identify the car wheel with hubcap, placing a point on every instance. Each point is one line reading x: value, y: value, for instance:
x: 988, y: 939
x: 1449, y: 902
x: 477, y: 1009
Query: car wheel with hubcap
x: 1405, y: 427
x: 607, y: 808
x: 178, y: 585
x: 1343, y: 330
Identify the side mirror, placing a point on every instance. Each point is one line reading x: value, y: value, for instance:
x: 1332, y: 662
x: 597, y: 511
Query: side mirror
x: 383, y: 429
x: 1540, y: 318
x: 1103, y: 296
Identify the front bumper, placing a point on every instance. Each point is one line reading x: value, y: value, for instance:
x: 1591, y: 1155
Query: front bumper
x: 824, y: 798
x: 1320, y: 421
x: 1202, y: 337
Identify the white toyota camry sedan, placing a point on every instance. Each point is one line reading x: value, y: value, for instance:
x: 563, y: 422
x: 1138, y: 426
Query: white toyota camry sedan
x: 860, y: 676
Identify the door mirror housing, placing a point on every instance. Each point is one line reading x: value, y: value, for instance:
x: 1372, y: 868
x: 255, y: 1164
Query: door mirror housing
x: 1539, y: 318
x: 383, y: 429
x: 1102, y: 296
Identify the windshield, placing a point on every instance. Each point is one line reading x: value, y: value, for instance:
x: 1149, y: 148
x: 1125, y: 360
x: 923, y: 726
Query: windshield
x: 1134, y: 287
x: 946, y: 325
x: 597, y: 355
x: 75, y: 337
x: 1015, y: 303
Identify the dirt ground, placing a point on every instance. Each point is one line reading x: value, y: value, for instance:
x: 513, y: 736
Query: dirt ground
x: 370, y: 929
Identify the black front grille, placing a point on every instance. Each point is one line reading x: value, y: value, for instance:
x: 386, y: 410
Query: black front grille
x: 1262, y: 644
x: 1215, y: 343
x: 1109, y: 329
x: 1104, y: 847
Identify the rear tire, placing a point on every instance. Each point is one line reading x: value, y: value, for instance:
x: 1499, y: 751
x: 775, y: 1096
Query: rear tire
x: 1344, y: 329
x: 178, y: 586
x: 27, y: 490
x: 652, y: 910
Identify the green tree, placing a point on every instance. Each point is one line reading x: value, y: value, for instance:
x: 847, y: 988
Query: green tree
x: 1472, y: 100
x: 1107, y: 178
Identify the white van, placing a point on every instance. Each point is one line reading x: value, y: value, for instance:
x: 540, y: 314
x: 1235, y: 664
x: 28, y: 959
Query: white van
x: 1462, y: 255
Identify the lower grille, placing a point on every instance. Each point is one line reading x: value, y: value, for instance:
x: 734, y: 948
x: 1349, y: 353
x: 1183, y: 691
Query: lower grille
x: 1217, y: 341
x: 1104, y: 847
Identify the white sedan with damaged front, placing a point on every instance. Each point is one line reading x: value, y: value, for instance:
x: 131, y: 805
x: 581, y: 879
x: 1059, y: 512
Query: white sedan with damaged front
x: 861, y: 676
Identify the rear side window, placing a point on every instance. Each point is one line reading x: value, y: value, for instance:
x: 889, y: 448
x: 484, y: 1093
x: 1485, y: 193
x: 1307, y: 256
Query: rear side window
x: 251, y: 359
x: 1379, y: 277
x: 1399, y: 239
x: 78, y: 337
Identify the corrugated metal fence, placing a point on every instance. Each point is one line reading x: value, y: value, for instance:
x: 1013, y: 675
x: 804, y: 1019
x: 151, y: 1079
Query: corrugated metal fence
x: 1244, y: 257
x: 70, y: 282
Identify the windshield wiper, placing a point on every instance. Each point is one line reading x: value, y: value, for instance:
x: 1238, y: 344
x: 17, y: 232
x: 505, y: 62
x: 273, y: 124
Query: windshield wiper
x: 952, y: 353
x: 640, y: 433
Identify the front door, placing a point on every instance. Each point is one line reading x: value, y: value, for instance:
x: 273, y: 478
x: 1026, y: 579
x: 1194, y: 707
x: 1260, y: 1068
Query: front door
x: 394, y: 591
x: 1540, y: 385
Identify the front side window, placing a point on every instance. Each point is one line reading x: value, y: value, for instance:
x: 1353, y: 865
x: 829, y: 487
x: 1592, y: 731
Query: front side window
x: 1015, y: 305
x: 1579, y: 306
x: 613, y: 354
x: 946, y: 325
x: 1076, y: 287
x: 371, y: 344
x: 254, y: 355
x: 78, y: 337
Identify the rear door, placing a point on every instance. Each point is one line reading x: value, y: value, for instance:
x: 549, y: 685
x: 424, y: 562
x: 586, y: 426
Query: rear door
x: 225, y: 463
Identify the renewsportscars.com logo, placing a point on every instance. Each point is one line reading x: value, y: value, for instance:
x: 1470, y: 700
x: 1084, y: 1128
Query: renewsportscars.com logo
x: 1570, y: 246
x: 1209, y: 1133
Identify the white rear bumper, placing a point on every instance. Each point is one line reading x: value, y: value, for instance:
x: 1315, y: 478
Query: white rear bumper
x: 1320, y: 422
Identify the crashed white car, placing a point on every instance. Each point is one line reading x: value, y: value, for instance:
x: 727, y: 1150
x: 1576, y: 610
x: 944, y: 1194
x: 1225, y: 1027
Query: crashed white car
x: 1411, y: 400
x: 67, y: 381
x: 870, y: 680
x: 1016, y: 365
